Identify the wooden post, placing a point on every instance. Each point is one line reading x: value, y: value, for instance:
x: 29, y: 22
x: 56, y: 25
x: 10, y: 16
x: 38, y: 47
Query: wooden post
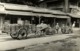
x: 39, y: 19
x: 79, y: 23
x: 69, y: 21
x: 32, y: 20
x: 1, y: 23
x: 66, y: 9
x: 54, y: 21
x: 66, y: 6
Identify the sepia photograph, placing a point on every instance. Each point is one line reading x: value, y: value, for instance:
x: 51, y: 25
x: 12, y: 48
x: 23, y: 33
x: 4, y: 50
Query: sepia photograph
x: 39, y: 25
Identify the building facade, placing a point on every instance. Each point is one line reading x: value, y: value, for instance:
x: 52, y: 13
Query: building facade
x: 70, y: 7
x: 51, y: 12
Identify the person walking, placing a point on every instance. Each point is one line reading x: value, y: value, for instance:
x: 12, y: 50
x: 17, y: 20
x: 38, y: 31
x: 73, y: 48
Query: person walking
x: 57, y: 28
x: 73, y: 25
x: 20, y: 22
x: 63, y: 28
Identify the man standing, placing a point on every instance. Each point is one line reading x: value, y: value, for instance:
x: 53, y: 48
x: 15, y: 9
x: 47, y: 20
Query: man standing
x: 57, y: 28
x: 20, y: 22
x: 73, y: 25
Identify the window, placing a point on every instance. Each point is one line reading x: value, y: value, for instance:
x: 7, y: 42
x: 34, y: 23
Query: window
x: 13, y: 20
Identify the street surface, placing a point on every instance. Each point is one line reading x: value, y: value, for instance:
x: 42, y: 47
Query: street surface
x: 57, y: 42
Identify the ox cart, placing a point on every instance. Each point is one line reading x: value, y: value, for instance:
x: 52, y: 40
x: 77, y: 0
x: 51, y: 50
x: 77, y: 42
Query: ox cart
x: 66, y: 29
x: 19, y: 31
x: 22, y: 31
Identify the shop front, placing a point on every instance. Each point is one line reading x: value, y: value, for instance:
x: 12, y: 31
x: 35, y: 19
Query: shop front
x: 62, y: 20
x: 75, y: 18
x: 31, y: 15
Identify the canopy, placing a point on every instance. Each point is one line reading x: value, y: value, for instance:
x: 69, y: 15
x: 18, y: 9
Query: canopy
x: 3, y: 12
x: 30, y: 8
x: 45, y: 15
x: 74, y: 15
x: 28, y: 13
x: 62, y: 17
x: 33, y: 14
x: 21, y: 13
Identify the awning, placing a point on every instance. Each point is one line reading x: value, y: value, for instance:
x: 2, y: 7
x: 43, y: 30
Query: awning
x: 21, y: 13
x: 34, y: 14
x: 31, y: 14
x: 74, y: 15
x: 3, y: 12
x: 62, y: 17
x: 30, y: 8
x: 28, y: 14
x: 45, y: 15
x: 53, y: 16
x: 57, y: 12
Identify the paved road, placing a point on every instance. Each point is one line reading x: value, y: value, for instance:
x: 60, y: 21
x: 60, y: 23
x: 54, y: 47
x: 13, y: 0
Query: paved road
x: 7, y: 43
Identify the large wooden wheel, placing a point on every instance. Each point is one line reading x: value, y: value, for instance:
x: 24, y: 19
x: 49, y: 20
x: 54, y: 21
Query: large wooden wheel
x: 63, y: 31
x: 50, y: 31
x: 14, y: 35
x: 22, y: 33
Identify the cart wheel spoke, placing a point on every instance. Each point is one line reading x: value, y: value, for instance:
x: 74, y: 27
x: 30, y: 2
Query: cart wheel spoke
x: 22, y: 34
x: 14, y: 35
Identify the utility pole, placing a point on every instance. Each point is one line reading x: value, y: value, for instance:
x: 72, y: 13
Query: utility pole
x: 66, y: 10
x: 39, y: 19
x: 66, y: 6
